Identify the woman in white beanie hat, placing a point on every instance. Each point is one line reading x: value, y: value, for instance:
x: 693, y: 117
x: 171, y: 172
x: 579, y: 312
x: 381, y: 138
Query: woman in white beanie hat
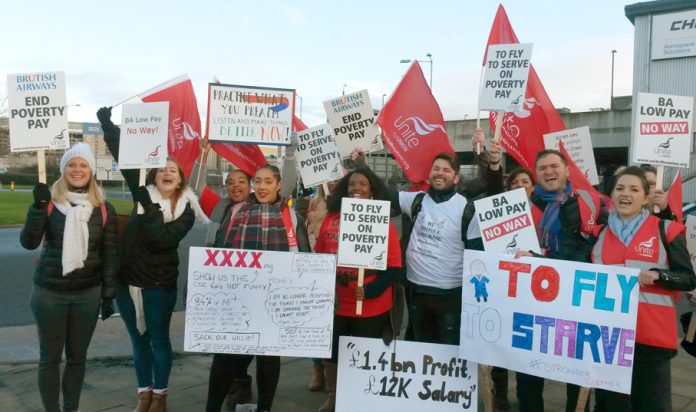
x: 150, y: 267
x: 75, y: 274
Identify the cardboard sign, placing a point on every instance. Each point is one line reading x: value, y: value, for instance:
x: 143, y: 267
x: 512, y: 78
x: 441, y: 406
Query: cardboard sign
x: 578, y: 144
x: 404, y: 376
x: 143, y: 135
x: 249, y: 114
x: 663, y: 129
x: 505, y: 77
x: 567, y: 321
x: 260, y: 302
x: 352, y: 119
x: 317, y: 156
x: 38, y: 111
x: 691, y: 238
x: 364, y: 233
x: 506, y: 223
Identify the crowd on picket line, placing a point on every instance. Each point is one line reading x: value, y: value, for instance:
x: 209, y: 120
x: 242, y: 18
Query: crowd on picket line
x: 85, y: 264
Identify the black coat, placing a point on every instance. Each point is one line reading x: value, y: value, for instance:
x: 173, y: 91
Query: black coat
x: 101, y: 264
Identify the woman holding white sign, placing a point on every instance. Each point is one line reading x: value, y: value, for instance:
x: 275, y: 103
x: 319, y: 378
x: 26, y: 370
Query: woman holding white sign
x: 636, y: 238
x: 376, y: 294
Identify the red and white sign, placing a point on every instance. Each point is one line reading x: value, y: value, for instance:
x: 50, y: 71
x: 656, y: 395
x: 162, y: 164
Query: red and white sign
x: 143, y: 135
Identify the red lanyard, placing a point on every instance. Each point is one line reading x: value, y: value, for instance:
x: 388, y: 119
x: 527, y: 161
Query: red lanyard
x: 292, y: 239
x: 229, y: 227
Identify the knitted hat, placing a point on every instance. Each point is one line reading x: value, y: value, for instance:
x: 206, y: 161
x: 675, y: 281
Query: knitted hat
x: 81, y: 150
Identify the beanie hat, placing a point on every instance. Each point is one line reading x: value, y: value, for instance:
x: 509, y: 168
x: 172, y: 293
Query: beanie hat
x: 81, y: 150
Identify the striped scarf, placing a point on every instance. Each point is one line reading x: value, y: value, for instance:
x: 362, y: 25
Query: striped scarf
x: 259, y: 227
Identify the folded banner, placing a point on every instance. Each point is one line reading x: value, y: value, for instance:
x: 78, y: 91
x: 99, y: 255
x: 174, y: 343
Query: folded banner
x: 245, y: 156
x: 184, y: 120
x: 413, y: 126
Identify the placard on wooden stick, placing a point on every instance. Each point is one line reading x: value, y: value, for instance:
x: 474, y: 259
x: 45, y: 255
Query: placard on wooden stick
x: 505, y: 77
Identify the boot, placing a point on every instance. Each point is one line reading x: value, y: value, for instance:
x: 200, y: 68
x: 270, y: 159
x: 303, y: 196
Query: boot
x: 239, y: 394
x: 330, y: 371
x: 317, y: 382
x: 159, y: 402
x: 144, y: 400
x: 500, y: 389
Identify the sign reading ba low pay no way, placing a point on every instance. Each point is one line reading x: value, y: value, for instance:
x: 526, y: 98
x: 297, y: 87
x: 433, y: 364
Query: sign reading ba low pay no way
x: 567, y: 321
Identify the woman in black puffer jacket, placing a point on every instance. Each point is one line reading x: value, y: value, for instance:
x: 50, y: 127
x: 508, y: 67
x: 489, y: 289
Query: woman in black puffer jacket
x: 75, y: 273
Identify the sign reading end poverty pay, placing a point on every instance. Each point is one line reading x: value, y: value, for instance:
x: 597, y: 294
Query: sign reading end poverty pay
x: 663, y: 129
x: 144, y: 130
x: 364, y: 234
x: 352, y: 119
x: 506, y: 223
x: 38, y: 115
x: 318, y: 156
x: 578, y: 143
x: 505, y: 77
x: 567, y: 321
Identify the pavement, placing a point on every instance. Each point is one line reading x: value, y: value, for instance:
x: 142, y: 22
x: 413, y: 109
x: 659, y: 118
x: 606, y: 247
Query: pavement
x: 110, y: 380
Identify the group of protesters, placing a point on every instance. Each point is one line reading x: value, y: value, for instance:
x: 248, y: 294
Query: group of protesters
x: 78, y: 273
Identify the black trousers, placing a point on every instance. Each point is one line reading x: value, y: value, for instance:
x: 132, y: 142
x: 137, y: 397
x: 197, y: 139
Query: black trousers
x: 226, y: 368
x: 530, y: 394
x: 369, y: 327
x: 436, y: 318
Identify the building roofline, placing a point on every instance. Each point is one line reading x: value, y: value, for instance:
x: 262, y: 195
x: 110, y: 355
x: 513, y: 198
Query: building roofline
x: 656, y: 7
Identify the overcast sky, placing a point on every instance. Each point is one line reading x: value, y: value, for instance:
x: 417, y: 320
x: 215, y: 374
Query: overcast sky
x: 113, y: 50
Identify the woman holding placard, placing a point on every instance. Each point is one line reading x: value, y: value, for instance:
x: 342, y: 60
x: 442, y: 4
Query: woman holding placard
x: 636, y: 238
x: 266, y: 222
x: 75, y: 274
x: 376, y: 294
x: 150, y: 267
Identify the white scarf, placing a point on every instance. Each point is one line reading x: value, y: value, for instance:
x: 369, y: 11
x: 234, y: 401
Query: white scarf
x: 77, y: 210
x: 187, y: 197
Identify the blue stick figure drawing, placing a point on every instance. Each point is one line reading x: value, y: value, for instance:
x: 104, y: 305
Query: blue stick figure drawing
x: 479, y: 279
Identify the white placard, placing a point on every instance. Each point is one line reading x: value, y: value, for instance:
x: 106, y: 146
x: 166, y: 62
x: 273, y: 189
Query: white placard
x: 38, y: 112
x: 246, y: 114
x: 144, y: 131
x: 673, y: 35
x: 352, y: 119
x: 364, y: 233
x: 404, y: 376
x: 260, y: 302
x: 663, y: 128
x: 566, y: 321
x: 578, y: 144
x: 107, y: 169
x: 506, y: 223
x: 691, y: 238
x: 317, y: 156
x: 505, y: 77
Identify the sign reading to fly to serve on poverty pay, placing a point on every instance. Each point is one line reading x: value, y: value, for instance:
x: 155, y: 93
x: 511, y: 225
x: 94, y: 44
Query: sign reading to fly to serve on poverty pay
x: 506, y: 223
x: 578, y: 143
x: 364, y: 233
x: 144, y: 130
x: 247, y: 114
x: 317, y: 156
x: 38, y: 114
x: 505, y: 77
x: 352, y: 119
x: 662, y: 133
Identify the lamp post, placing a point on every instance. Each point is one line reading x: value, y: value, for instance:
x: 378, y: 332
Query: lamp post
x: 383, y: 96
x: 300, y: 97
x: 611, y: 102
x: 430, y: 60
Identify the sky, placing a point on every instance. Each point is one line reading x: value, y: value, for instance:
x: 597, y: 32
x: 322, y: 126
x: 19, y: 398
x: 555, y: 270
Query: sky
x: 114, y: 50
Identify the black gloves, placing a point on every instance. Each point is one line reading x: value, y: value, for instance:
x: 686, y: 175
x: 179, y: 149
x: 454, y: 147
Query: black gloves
x: 107, y: 308
x: 104, y: 116
x: 41, y: 195
x: 143, y: 196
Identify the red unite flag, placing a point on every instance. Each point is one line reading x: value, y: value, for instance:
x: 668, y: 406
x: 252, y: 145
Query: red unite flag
x: 183, y: 142
x: 413, y: 126
x: 674, y: 197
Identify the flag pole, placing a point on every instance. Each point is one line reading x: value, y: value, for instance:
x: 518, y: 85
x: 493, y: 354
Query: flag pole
x: 658, y: 184
x: 361, y: 280
x: 478, y: 109
x: 41, y: 162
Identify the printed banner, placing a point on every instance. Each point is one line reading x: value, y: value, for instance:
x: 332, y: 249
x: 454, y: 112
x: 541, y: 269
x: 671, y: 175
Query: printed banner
x: 505, y: 77
x: 352, y: 119
x: 673, y: 35
x: 404, y: 376
x: 260, y: 302
x: 364, y: 234
x: 143, y: 135
x: 506, y: 223
x: 38, y: 111
x: 317, y: 156
x: 567, y: 321
x: 578, y: 143
x: 662, y: 133
x: 249, y: 114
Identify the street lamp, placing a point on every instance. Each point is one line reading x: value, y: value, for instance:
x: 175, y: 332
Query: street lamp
x: 383, y: 96
x: 611, y: 102
x: 430, y: 60
x: 300, y: 97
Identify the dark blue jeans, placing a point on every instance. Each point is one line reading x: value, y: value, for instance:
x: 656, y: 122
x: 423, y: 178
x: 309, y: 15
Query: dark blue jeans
x: 436, y: 318
x: 64, y: 320
x: 152, y: 351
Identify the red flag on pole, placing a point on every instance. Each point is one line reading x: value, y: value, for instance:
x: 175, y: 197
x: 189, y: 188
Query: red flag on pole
x: 413, y: 126
x: 674, y: 197
x: 184, y: 121
x: 245, y: 156
x: 297, y: 124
